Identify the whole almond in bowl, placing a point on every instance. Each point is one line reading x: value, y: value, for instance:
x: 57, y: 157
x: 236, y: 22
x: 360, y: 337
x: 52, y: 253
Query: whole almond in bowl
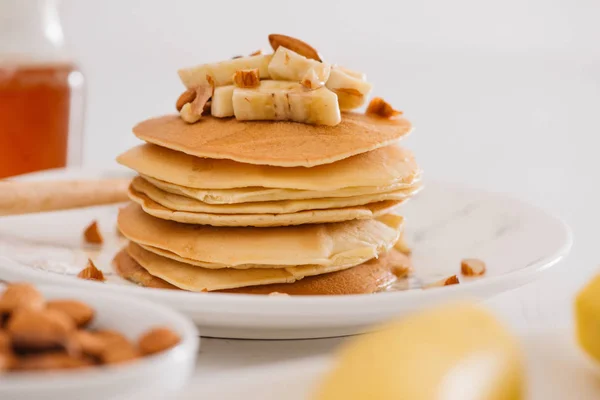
x: 20, y: 295
x: 80, y: 313
x: 50, y: 361
x: 90, y: 343
x: 39, y: 329
x: 157, y: 340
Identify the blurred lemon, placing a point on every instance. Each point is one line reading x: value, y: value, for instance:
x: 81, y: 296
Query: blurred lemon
x: 587, y: 318
x: 454, y: 352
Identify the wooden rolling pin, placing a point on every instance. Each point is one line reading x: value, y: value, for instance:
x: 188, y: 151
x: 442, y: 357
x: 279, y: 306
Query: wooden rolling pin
x: 22, y: 197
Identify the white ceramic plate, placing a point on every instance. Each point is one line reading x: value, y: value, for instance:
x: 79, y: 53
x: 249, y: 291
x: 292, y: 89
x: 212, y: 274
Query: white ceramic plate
x: 556, y: 370
x: 445, y: 223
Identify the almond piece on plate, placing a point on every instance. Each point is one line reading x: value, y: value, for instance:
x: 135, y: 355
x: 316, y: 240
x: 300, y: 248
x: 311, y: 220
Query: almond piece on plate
x: 293, y: 44
x: 90, y: 272
x: 81, y: 313
x: 157, y: 340
x: 381, y: 108
x: 39, y: 329
x: 20, y: 295
x: 472, y: 267
x: 451, y: 280
x: 246, y: 78
x: 92, y: 234
x: 256, y: 53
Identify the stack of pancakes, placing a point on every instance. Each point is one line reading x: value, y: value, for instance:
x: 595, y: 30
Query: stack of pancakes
x: 264, y: 206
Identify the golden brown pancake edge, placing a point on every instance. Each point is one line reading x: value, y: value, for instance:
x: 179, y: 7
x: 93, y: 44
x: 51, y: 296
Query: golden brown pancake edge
x: 365, y: 278
x: 277, y: 143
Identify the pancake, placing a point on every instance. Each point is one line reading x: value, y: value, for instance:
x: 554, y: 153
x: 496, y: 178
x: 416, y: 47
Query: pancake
x: 203, y: 264
x: 198, y: 279
x: 260, y: 194
x: 264, y: 220
x: 278, y: 143
x: 345, y: 243
x: 182, y: 203
x: 368, y: 277
x: 386, y: 166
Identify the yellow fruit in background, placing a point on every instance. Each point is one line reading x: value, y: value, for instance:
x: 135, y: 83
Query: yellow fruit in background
x: 453, y: 352
x: 587, y: 318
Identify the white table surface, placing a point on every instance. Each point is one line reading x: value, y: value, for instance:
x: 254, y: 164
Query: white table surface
x: 522, y: 124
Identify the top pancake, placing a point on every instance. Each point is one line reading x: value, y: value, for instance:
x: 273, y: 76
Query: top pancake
x: 278, y: 143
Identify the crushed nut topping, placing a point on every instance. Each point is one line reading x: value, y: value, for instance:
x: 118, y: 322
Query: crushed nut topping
x: 381, y: 108
x: 90, y: 272
x: 186, y: 97
x: 92, y: 234
x: 295, y: 45
x: 472, y: 267
x: 451, y: 280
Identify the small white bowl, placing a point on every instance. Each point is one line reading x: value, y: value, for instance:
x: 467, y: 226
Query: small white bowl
x: 157, y: 376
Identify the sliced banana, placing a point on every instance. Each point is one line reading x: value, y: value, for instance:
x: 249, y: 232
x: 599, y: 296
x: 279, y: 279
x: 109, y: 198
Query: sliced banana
x: 356, y: 74
x: 222, y: 102
x: 350, y: 86
x: 221, y: 73
x: 311, y: 80
x: 282, y: 100
x: 287, y: 65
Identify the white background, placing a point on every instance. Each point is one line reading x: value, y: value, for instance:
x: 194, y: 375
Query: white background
x: 505, y: 95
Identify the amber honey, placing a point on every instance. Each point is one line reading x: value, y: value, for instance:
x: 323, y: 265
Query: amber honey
x: 35, y: 104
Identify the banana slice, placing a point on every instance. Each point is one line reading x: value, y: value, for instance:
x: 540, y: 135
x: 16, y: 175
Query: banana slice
x: 222, y: 102
x: 287, y: 65
x: 281, y: 100
x: 356, y: 74
x: 350, y: 86
x: 221, y: 73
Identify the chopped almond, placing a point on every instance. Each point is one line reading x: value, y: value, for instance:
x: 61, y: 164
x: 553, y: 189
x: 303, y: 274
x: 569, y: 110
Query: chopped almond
x: 381, y: 108
x: 246, y: 78
x: 91, y: 273
x: 186, y: 97
x: 92, y: 234
x: 472, y: 267
x: 256, y: 53
x: 192, y: 112
x: 451, y: 280
x: 295, y: 45
x: 401, y: 270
